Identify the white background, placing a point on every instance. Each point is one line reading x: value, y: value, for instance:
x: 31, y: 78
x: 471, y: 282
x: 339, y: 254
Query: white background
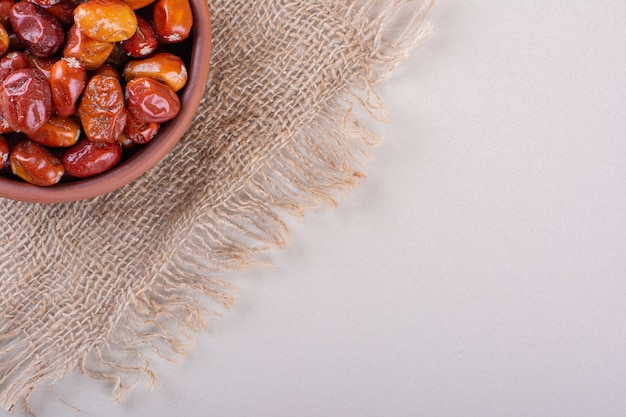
x: 479, y: 271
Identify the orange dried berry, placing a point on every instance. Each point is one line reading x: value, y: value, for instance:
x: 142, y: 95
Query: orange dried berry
x: 91, y: 52
x: 106, y: 20
x: 143, y: 42
x: 139, y: 131
x: 68, y: 77
x: 57, y: 132
x: 163, y: 66
x: 5, y: 41
x: 35, y: 164
x: 101, y: 109
x: 172, y: 20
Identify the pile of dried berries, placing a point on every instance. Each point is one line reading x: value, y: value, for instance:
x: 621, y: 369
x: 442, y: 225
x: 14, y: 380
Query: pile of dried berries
x: 84, y: 82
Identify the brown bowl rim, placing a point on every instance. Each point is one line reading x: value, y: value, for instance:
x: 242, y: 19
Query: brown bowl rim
x: 153, y: 152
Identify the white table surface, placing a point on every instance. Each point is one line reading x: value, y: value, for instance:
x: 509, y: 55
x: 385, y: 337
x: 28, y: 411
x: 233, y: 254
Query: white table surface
x: 479, y: 270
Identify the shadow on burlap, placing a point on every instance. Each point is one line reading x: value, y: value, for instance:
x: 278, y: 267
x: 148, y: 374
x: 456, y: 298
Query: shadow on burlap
x: 98, y: 283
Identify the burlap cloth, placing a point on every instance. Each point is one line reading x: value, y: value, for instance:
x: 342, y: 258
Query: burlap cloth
x: 100, y: 284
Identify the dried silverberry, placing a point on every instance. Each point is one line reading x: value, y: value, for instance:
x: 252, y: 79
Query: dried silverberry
x: 68, y: 77
x: 57, y: 132
x: 139, y: 131
x: 5, y: 41
x: 35, y: 164
x: 151, y: 101
x: 106, y: 20
x: 90, y: 52
x: 143, y: 42
x: 36, y: 28
x: 25, y: 100
x: 163, y: 66
x: 88, y: 158
x: 172, y: 20
x: 101, y: 109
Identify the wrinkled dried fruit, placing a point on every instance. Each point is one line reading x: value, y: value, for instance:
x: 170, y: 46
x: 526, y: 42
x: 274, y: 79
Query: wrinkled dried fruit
x: 36, y: 28
x: 57, y: 132
x: 101, y: 109
x: 68, y: 77
x: 151, y: 101
x: 139, y: 131
x: 25, y: 100
x: 172, y: 20
x: 35, y: 164
x: 88, y: 158
x: 91, y: 52
x: 143, y: 42
x: 163, y: 66
x: 106, y: 20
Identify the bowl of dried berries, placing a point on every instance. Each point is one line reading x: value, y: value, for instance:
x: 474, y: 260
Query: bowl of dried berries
x: 93, y: 93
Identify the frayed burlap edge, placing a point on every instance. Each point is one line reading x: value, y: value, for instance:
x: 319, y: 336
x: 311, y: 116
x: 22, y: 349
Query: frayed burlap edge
x: 323, y: 162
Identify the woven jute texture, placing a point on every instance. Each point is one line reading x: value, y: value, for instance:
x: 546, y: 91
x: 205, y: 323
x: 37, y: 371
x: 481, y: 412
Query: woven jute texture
x: 105, y: 283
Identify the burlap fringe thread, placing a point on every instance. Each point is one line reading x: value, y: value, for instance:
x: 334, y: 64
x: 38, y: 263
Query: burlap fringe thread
x: 305, y: 172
